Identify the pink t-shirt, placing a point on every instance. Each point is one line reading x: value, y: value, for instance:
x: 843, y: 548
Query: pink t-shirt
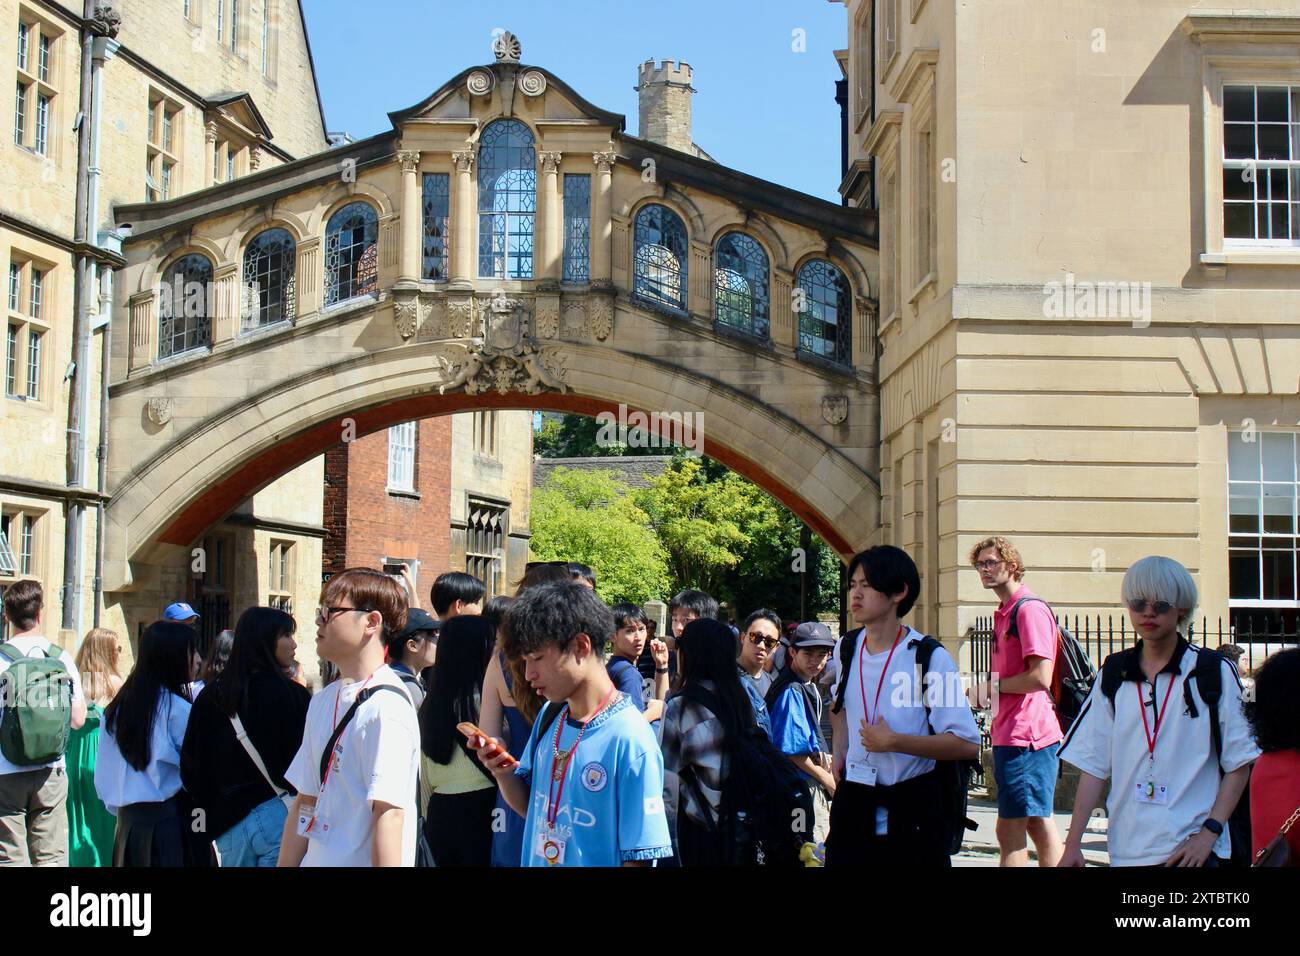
x: 1024, y: 720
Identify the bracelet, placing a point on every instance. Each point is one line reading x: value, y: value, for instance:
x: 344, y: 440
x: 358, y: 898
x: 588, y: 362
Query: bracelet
x: 661, y: 670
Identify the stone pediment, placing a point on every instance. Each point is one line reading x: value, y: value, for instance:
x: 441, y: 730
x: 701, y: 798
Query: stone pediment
x: 239, y: 109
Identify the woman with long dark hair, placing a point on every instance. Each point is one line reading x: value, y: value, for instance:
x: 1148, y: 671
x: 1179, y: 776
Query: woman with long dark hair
x: 700, y: 723
x: 461, y: 792
x: 137, y: 773
x: 244, y: 730
x: 1275, y: 780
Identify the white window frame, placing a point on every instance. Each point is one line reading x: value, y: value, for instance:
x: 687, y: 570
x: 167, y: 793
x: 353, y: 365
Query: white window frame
x: 1261, y: 485
x: 403, y: 442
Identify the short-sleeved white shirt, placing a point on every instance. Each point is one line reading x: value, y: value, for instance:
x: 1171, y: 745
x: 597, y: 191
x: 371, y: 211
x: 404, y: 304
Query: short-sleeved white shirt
x: 1110, y: 742
x: 27, y: 644
x: 379, y: 761
x: 902, y: 706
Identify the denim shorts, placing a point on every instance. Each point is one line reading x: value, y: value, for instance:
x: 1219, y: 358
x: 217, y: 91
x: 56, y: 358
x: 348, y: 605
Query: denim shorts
x: 1026, y: 780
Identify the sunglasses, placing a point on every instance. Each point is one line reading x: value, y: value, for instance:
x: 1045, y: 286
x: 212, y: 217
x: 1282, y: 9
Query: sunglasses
x: 760, y: 640
x: 1158, y: 607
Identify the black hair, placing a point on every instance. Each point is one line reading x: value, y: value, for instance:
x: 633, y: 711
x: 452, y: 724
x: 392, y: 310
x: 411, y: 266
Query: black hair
x: 577, y: 571
x: 166, y: 649
x: 626, y: 613
x: 396, y: 642
x: 252, y: 651
x: 889, y: 570
x: 217, y: 657
x: 695, y: 602
x: 707, y: 651
x: 495, y: 609
x: 555, y: 614
x: 455, y: 693
x: 763, y: 614
x: 543, y: 572
x: 1275, y: 714
x: 455, y: 586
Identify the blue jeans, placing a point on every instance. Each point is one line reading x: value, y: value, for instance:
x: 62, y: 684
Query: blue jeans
x: 255, y: 840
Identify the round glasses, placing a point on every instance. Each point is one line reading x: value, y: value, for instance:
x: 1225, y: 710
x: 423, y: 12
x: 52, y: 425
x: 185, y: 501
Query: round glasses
x: 1157, y: 607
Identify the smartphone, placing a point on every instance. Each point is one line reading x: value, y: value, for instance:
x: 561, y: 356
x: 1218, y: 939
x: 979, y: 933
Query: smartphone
x: 492, y: 750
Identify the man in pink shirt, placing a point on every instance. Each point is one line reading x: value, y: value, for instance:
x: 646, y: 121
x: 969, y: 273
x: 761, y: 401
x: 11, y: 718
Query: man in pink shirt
x: 1026, y: 734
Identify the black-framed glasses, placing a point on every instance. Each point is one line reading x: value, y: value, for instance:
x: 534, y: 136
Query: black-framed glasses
x: 1157, y: 607
x: 761, y: 640
x: 988, y: 565
x: 325, y: 614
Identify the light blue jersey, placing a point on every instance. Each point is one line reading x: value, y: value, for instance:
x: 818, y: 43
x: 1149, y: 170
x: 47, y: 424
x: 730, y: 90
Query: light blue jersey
x: 612, y: 808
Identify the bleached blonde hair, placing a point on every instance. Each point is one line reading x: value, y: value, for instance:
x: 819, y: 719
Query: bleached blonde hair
x: 1157, y: 578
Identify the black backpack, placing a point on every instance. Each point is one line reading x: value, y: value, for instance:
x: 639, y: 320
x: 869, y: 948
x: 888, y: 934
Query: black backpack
x: 954, y: 775
x: 1072, y: 673
x: 766, y: 805
x: 1208, y: 674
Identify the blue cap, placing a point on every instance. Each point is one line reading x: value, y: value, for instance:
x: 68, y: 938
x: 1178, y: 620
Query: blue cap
x: 180, y: 611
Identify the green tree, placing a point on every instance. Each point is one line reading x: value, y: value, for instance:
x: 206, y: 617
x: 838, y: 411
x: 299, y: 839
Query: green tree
x: 589, y: 516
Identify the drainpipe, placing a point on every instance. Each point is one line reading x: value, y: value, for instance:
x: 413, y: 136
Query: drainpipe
x: 101, y: 452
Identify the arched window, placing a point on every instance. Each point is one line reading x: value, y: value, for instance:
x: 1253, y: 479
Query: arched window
x: 660, y: 256
x: 507, y: 201
x: 183, y: 296
x: 269, y: 267
x: 351, y: 253
x: 740, y: 284
x: 825, y: 308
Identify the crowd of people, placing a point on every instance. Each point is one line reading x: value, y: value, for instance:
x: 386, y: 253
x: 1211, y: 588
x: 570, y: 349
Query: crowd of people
x: 549, y: 729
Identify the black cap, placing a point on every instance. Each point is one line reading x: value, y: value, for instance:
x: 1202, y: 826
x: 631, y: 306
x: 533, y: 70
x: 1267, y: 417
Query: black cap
x: 812, y: 634
x: 418, y: 620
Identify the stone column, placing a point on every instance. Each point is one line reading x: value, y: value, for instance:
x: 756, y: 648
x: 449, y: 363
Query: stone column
x: 550, y: 215
x: 462, y: 223
x: 227, y: 304
x: 144, y: 330
x: 699, y: 299
x: 785, y: 321
x: 601, y: 228
x: 411, y: 218
x: 210, y: 141
x: 308, y: 282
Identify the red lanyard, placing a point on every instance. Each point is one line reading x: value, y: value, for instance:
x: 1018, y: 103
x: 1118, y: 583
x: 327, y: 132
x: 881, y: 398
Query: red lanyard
x: 553, y: 804
x: 1160, y: 717
x: 885, y: 670
x: 330, y: 766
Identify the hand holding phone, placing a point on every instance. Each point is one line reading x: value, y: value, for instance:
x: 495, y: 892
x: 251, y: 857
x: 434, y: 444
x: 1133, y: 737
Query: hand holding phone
x: 489, y: 749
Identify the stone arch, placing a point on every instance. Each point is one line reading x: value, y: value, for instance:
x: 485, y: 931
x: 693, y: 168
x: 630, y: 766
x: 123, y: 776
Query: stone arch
x: 169, y: 252
x: 857, y: 276
x: 342, y: 194
x: 758, y: 230
x: 171, y: 497
x: 261, y: 220
x: 842, y: 256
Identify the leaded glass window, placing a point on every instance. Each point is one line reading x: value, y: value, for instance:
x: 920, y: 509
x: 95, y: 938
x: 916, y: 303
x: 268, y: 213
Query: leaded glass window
x: 269, y: 269
x: 437, y: 225
x: 740, y: 284
x: 824, y: 303
x: 507, y: 201
x: 577, y: 227
x: 183, y: 320
x: 660, y: 257
x: 351, y: 253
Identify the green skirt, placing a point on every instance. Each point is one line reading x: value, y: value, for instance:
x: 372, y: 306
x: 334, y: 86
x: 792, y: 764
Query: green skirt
x: 90, y: 825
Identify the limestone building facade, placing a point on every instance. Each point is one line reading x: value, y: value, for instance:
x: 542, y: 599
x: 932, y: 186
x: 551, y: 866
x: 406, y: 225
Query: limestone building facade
x: 1090, y: 289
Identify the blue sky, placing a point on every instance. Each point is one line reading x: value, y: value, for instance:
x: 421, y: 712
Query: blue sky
x: 760, y: 107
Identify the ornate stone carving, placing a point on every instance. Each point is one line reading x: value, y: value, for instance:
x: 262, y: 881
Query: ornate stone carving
x: 159, y: 410
x: 546, y: 318
x: 433, y: 320
x: 107, y: 22
x: 410, y: 160
x: 210, y: 131
x: 480, y: 82
x: 604, y: 162
x: 254, y: 158
x: 504, y: 324
x: 533, y: 83
x: 600, y: 318
x: 835, y: 409
x: 574, y: 320
x: 406, y: 314
x: 525, y: 369
x: 507, y: 48
x: 464, y: 161
x: 462, y: 318
x: 550, y: 161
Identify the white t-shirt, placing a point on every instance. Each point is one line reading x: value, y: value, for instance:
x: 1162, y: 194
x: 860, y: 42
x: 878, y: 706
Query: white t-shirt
x: 27, y: 644
x: 378, y: 759
x: 1111, y: 743
x: 902, y: 706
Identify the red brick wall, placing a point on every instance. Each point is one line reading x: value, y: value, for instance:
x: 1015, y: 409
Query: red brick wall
x: 364, y: 523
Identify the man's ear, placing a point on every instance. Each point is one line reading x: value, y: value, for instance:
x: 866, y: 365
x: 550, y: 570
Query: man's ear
x: 899, y: 597
x: 581, y: 646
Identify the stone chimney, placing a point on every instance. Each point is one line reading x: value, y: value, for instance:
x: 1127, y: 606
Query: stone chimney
x: 665, y: 101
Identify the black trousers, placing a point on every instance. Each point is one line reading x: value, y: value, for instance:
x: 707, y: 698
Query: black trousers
x: 458, y: 827
x: 160, y: 834
x: 912, y: 839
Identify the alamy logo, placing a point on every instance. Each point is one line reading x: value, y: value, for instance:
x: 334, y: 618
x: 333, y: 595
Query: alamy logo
x: 1098, y: 300
x: 657, y: 430
x: 133, y: 910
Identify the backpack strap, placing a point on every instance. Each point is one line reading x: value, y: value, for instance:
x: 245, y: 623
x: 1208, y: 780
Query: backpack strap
x: 11, y: 653
x: 1112, y: 675
x: 546, y: 717
x: 847, y: 644
x: 362, y: 697
x: 1013, y: 628
x: 1208, y: 674
x: 241, y: 734
x: 925, y: 649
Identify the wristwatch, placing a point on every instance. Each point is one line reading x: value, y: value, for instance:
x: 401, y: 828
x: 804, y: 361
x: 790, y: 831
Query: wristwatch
x: 1213, y: 825
x: 661, y: 670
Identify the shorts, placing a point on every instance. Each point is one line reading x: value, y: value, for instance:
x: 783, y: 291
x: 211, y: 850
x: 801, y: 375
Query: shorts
x: 1026, y: 780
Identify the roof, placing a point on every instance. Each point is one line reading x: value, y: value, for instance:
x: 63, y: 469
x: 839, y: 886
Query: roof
x: 636, y: 470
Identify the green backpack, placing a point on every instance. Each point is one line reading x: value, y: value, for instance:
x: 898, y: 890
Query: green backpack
x: 35, y: 707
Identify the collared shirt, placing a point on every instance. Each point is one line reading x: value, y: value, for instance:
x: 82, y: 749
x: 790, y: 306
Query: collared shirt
x: 756, y: 688
x: 1110, y: 741
x: 27, y: 644
x: 119, y: 784
x: 1023, y: 720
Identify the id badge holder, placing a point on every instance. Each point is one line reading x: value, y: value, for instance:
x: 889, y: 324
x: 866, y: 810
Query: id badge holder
x: 861, y: 771
x: 550, y: 848
x: 1151, y: 792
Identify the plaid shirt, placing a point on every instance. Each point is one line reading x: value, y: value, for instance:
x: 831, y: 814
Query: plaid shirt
x: 693, y: 737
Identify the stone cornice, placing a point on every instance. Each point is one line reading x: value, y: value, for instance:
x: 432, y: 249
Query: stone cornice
x: 1246, y: 26
x: 919, y: 63
x: 883, y: 132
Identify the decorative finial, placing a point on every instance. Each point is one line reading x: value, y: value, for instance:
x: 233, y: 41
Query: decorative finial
x: 507, y: 48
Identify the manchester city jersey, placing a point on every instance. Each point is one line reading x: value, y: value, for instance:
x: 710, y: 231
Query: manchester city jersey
x: 611, y: 809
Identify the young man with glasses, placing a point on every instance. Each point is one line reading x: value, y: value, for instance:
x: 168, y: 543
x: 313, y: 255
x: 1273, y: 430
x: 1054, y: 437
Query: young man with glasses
x: 794, y: 705
x: 758, y: 640
x: 1174, y: 778
x: 357, y: 768
x: 1025, y: 732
